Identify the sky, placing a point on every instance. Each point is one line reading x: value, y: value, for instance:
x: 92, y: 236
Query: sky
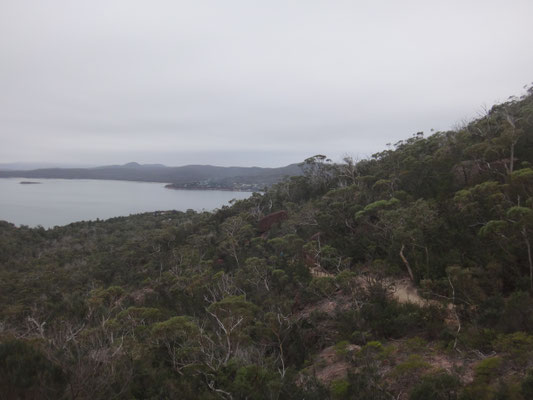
x: 242, y: 82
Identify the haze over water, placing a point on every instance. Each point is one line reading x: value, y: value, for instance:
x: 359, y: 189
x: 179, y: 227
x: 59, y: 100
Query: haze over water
x: 62, y: 201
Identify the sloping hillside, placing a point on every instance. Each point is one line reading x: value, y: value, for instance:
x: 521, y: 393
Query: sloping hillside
x: 405, y: 276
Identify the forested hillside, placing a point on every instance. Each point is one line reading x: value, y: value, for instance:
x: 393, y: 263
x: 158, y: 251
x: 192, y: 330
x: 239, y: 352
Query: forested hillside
x: 408, y: 275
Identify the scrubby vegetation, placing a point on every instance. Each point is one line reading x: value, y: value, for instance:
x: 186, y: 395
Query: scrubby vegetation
x: 405, y: 276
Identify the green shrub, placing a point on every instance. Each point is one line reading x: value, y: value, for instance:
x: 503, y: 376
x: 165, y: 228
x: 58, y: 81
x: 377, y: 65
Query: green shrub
x: 341, y: 348
x: 339, y: 388
x: 487, y: 369
x: 26, y: 373
x: 442, y: 386
x: 412, y: 366
x: 518, y: 346
x: 526, y: 387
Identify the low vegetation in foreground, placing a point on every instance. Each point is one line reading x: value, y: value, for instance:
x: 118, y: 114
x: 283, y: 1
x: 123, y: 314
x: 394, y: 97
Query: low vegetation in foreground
x: 405, y: 276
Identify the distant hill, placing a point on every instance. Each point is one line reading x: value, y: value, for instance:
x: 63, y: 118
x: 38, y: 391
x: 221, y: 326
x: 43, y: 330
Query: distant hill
x: 200, y: 175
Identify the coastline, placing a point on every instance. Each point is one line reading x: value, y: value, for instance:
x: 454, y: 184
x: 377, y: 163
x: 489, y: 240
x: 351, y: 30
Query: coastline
x: 210, y: 188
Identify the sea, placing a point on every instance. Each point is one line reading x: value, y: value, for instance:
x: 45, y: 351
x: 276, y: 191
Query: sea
x: 56, y: 202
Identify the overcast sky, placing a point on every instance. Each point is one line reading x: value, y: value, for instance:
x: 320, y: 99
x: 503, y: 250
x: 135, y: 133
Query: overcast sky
x: 248, y: 82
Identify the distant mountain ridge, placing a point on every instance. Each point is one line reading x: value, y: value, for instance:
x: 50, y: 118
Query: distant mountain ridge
x: 208, y: 175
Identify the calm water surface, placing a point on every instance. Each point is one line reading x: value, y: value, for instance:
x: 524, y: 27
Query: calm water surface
x: 62, y: 201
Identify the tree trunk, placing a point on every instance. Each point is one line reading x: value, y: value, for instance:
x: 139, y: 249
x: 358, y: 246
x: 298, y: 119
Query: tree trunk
x: 511, y: 164
x: 530, y: 258
x: 406, y: 263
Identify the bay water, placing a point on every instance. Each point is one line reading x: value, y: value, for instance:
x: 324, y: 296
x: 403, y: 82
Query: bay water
x: 53, y: 202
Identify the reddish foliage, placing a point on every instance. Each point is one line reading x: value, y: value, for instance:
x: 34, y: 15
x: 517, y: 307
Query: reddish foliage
x: 268, y: 221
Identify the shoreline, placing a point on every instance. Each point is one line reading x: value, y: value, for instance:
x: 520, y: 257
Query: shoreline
x: 167, y: 185
x: 170, y: 186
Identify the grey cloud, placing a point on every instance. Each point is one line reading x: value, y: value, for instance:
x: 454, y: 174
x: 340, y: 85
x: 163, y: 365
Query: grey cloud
x: 248, y: 82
